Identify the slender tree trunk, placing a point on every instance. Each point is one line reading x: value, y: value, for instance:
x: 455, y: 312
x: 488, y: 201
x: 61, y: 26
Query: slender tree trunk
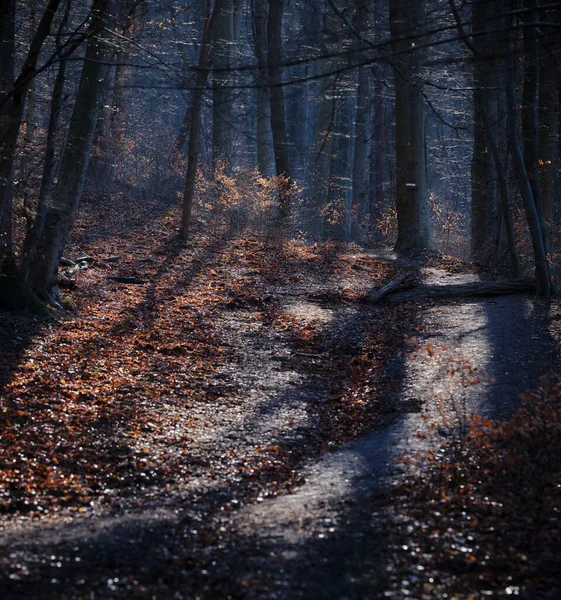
x: 12, y: 118
x: 74, y: 163
x: 264, y: 134
x: 340, y: 196
x: 530, y: 114
x: 543, y: 275
x: 278, y: 123
x: 193, y: 152
x: 122, y: 87
x: 29, y: 123
x: 413, y: 214
x: 362, y: 135
x: 222, y: 115
x: 547, y: 135
x: 321, y: 159
x: 34, y: 234
x: 483, y: 172
x: 505, y: 214
x: 361, y: 162
x: 7, y: 55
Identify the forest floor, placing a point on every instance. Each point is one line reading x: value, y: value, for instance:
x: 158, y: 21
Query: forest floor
x: 242, y: 422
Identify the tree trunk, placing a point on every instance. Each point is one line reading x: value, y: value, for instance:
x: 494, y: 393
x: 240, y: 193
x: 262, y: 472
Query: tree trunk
x: 193, y: 152
x: 413, y: 214
x: 122, y: 87
x: 320, y: 160
x: 74, y: 163
x: 340, y: 197
x: 278, y: 123
x: 530, y: 114
x: 543, y: 275
x: 7, y: 55
x: 29, y: 124
x: 362, y: 134
x: 264, y: 134
x: 34, y: 234
x: 483, y: 172
x: 12, y: 109
x: 222, y: 116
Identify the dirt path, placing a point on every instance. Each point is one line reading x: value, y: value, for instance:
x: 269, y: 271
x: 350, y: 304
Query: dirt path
x: 323, y: 535
x: 318, y: 540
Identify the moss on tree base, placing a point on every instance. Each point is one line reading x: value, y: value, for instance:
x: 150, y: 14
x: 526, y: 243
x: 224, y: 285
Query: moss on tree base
x: 15, y: 294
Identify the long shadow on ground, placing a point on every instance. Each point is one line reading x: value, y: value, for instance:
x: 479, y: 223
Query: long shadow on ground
x: 175, y: 547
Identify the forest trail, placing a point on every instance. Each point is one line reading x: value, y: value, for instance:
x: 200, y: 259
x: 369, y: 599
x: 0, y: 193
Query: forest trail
x: 272, y: 486
x: 323, y: 535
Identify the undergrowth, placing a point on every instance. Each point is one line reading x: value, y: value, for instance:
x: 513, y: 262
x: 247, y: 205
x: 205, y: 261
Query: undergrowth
x: 483, y: 520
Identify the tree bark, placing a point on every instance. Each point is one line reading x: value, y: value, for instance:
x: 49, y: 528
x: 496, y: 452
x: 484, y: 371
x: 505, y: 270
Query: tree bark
x: 413, y: 214
x: 222, y: 116
x: 543, y: 275
x: 29, y: 123
x: 278, y: 123
x: 34, y: 234
x: 362, y: 134
x: 320, y: 159
x: 74, y: 163
x: 264, y: 134
x: 483, y: 171
x: 530, y: 114
x: 16, y: 106
x: 193, y: 152
x: 506, y: 216
x: 466, y: 290
x: 7, y: 73
x: 122, y: 87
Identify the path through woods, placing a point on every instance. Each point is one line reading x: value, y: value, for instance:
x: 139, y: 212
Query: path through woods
x: 228, y: 428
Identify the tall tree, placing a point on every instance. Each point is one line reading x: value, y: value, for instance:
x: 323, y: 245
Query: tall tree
x: 278, y: 124
x: 407, y: 21
x: 362, y: 130
x: 14, y: 97
x: 222, y: 115
x: 264, y: 138
x: 7, y: 55
x: 530, y: 113
x: 545, y: 285
x: 209, y: 33
x: 65, y: 199
x: 483, y: 174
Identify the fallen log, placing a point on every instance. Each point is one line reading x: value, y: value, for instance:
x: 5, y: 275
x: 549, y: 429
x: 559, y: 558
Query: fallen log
x: 388, y: 288
x: 466, y: 290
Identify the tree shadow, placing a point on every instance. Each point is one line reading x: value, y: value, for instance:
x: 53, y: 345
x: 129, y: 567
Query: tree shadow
x: 185, y: 547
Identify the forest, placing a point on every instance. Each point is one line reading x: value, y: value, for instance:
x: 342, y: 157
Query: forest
x: 279, y: 300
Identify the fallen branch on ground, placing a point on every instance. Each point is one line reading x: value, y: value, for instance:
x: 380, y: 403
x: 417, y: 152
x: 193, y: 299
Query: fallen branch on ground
x: 388, y: 288
x: 464, y: 290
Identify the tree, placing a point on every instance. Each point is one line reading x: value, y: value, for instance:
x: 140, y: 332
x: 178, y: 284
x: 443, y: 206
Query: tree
x: 12, y: 106
x: 209, y: 33
x: 62, y: 210
x: 264, y: 139
x: 413, y: 214
x: 362, y: 132
x: 485, y: 17
x: 222, y: 116
x: 278, y: 124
